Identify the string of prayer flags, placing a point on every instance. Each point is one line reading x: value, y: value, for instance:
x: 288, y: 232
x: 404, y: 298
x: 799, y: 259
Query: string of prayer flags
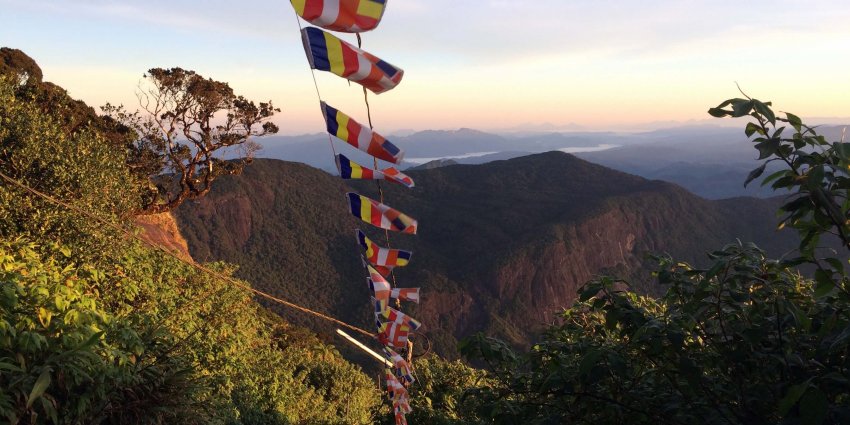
x: 326, y: 52
x: 361, y: 137
x: 350, y: 170
x: 380, y: 257
x: 380, y: 215
x: 341, y: 15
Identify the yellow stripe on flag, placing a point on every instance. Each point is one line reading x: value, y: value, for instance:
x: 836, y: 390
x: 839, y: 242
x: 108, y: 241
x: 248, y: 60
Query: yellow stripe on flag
x: 299, y: 6
x: 365, y: 210
x: 369, y: 250
x: 342, y: 127
x: 370, y: 8
x: 356, y: 171
x: 334, y: 46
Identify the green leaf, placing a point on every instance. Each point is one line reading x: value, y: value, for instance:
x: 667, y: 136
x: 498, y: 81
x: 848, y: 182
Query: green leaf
x: 794, y: 121
x: 40, y: 386
x: 589, y: 360
x: 741, y: 107
x: 755, y: 174
x: 814, y: 407
x: 824, y: 282
x: 794, y: 393
x: 752, y: 128
x: 773, y: 176
x: 764, y: 111
x: 767, y: 148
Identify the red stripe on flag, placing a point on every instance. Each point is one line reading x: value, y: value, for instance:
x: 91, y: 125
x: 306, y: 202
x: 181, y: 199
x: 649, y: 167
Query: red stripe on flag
x: 353, y: 133
x: 376, y: 215
x: 349, y: 58
x: 313, y: 9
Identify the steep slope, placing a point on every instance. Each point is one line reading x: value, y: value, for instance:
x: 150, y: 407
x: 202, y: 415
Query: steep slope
x: 501, y: 247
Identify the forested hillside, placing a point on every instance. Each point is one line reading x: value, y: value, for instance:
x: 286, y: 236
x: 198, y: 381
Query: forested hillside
x: 507, y: 246
x: 97, y: 327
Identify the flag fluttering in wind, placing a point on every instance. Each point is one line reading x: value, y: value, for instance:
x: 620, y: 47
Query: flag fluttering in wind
x: 401, y: 366
x: 393, y: 334
x: 382, y: 292
x: 394, y: 316
x: 382, y: 259
x: 326, y: 52
x: 351, y: 170
x: 380, y: 215
x: 405, y: 294
x: 341, y: 15
x: 359, y: 136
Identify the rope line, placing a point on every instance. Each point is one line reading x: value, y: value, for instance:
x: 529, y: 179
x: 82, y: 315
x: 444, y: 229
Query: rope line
x: 316, y: 85
x: 189, y: 263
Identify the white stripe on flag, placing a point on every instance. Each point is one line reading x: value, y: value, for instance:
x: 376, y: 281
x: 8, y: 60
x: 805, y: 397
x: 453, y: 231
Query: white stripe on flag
x: 330, y: 12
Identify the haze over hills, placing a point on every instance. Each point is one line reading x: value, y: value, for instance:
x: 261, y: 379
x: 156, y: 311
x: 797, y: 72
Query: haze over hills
x: 502, y: 246
x: 711, y: 161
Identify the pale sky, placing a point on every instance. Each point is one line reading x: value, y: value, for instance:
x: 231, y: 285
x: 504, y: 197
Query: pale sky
x: 484, y: 64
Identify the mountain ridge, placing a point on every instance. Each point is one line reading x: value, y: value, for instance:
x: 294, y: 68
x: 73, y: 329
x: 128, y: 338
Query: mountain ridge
x: 530, y: 230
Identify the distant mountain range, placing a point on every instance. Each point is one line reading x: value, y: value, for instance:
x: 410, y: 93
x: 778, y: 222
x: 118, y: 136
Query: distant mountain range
x: 710, y: 161
x: 502, y: 247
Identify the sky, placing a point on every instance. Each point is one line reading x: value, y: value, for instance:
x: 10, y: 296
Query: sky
x: 492, y: 65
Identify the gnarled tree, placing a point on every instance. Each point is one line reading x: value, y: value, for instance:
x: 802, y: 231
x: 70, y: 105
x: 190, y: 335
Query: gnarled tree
x: 188, y: 122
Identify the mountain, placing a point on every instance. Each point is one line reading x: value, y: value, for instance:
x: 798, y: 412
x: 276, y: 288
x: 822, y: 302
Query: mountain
x: 502, y: 247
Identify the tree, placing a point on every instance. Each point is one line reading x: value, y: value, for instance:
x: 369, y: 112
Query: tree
x: 20, y: 67
x: 177, y: 143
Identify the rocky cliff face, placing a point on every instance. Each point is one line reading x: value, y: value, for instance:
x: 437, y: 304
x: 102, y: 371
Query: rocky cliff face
x: 162, y: 230
x: 503, y: 247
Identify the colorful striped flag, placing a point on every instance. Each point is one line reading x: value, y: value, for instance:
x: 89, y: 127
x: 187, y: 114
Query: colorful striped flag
x: 359, y: 136
x: 394, y: 316
x: 405, y: 294
x: 393, y: 334
x: 399, y: 410
x: 382, y: 259
x: 380, y: 289
x: 402, y: 367
x: 351, y: 170
x: 380, y: 215
x: 396, y: 390
x: 328, y: 53
x: 341, y: 15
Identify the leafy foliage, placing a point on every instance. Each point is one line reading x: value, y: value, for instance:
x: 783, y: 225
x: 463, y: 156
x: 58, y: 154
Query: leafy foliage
x: 96, y: 329
x: 815, y: 170
x: 746, y: 340
x: 79, y: 168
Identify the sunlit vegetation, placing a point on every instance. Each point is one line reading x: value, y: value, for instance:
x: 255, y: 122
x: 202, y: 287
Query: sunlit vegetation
x: 98, y: 328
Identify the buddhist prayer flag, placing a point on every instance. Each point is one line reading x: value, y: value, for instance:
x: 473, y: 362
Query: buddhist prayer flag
x: 405, y: 294
x: 351, y: 170
x: 380, y: 215
x: 399, y: 410
x: 355, y: 134
x: 401, y: 366
x: 328, y: 53
x: 341, y: 15
x: 393, y: 334
x: 381, y: 290
x: 382, y: 257
x: 395, y: 389
x: 394, y: 316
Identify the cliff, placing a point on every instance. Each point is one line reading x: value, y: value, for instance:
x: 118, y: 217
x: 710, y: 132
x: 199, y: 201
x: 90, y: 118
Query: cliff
x: 502, y: 246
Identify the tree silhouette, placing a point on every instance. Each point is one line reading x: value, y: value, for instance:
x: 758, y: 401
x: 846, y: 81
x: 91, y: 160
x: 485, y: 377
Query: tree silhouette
x: 188, y: 121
